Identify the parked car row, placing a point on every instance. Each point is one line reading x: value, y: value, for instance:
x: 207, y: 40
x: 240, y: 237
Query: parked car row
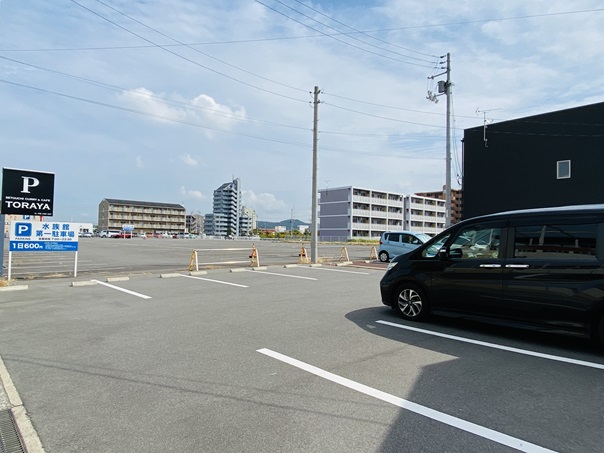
x: 131, y: 234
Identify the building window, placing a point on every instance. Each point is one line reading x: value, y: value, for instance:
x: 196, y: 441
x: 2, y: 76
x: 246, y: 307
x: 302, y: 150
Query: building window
x: 563, y: 169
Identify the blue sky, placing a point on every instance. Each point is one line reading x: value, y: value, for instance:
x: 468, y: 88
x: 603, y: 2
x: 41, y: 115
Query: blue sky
x: 166, y: 100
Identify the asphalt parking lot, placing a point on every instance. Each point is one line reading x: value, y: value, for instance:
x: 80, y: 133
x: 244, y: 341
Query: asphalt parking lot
x: 294, y: 359
x: 101, y: 256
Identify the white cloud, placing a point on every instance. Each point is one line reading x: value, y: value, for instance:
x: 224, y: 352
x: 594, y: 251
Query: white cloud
x: 262, y: 202
x: 203, y: 110
x: 188, y: 160
x: 191, y: 194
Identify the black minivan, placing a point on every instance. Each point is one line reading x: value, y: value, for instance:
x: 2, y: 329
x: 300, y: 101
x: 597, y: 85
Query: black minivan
x: 540, y: 269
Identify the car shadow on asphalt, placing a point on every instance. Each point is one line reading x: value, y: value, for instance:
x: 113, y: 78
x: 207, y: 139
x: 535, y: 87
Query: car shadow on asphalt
x: 481, y: 331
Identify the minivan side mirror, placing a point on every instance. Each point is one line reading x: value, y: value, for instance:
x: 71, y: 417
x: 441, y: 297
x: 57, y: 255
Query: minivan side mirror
x: 445, y: 253
x: 455, y: 253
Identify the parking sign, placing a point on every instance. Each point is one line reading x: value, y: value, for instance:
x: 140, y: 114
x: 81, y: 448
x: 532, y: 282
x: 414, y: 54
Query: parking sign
x: 43, y: 237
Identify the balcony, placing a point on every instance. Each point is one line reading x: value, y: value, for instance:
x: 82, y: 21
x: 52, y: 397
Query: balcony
x: 361, y: 226
x: 361, y: 212
x: 379, y: 214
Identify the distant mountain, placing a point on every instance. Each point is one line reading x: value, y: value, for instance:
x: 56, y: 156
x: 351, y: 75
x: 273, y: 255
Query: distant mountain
x: 264, y: 225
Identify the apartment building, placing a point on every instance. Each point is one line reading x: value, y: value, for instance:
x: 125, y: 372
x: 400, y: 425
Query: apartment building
x: 224, y: 219
x: 143, y: 216
x: 354, y: 213
x: 229, y: 216
x: 425, y: 214
x: 248, y: 221
x: 456, y: 202
x: 195, y: 223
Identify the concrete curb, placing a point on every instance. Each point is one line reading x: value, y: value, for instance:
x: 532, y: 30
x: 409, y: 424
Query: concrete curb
x: 172, y: 275
x: 86, y: 283
x: 344, y: 263
x: 289, y: 266
x: 238, y: 269
x: 28, y: 434
x: 260, y: 268
x: 117, y: 279
x: 193, y: 273
x: 14, y: 288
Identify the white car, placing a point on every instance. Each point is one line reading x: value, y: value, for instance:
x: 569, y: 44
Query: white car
x: 109, y: 233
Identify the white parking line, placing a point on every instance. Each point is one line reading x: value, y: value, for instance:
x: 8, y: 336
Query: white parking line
x: 122, y: 289
x: 280, y: 275
x: 335, y: 270
x: 599, y: 366
x: 214, y: 281
x: 459, y: 423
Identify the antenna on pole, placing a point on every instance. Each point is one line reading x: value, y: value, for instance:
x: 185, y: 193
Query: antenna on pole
x: 486, y: 123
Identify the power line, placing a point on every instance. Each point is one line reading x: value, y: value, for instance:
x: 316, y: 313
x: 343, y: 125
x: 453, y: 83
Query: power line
x: 164, y: 100
x: 153, y: 115
x: 364, y: 33
x: 168, y: 101
x: 319, y: 35
x: 214, y: 129
x: 199, y: 51
x: 350, y: 36
x: 185, y: 58
x: 392, y: 107
x: 383, y: 117
x: 339, y: 40
x: 496, y: 19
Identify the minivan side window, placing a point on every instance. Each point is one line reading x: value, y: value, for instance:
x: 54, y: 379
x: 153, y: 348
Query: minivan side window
x: 476, y: 242
x: 432, y: 251
x: 576, y: 242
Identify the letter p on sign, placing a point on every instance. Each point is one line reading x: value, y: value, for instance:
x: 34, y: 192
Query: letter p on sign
x: 23, y: 229
x: 28, y: 182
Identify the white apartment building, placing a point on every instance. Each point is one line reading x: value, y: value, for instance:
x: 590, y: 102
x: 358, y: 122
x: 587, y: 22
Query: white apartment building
x: 248, y: 221
x: 354, y: 212
x: 424, y: 214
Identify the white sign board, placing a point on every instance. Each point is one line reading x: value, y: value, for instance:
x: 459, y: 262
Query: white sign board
x: 27, y: 236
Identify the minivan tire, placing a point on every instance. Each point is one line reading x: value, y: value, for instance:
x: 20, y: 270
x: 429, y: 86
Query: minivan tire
x: 383, y: 256
x: 410, y: 302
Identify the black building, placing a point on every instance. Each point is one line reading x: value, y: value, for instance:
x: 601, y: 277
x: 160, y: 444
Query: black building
x: 552, y: 159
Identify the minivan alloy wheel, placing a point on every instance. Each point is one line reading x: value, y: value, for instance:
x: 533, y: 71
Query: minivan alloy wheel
x: 410, y: 302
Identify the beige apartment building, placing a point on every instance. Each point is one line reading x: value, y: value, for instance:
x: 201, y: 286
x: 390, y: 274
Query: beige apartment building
x: 141, y: 216
x: 456, y: 202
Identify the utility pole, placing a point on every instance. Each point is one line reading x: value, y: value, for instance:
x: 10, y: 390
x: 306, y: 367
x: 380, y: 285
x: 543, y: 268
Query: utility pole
x: 314, y: 229
x: 445, y: 88
x: 448, y: 157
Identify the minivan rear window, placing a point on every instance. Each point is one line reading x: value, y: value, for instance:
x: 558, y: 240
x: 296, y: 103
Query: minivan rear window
x: 577, y: 242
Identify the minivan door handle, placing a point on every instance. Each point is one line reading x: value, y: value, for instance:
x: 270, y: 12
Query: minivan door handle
x: 490, y: 265
x: 517, y: 266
